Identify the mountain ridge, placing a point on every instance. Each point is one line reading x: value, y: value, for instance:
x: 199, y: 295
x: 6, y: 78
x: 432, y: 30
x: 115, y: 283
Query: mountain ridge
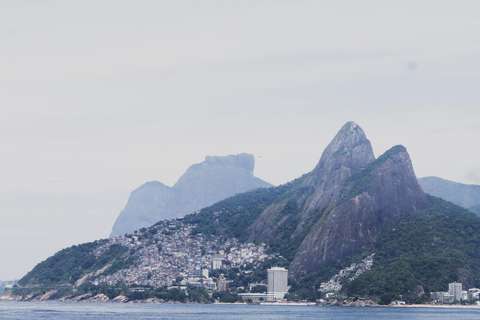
x: 465, y: 195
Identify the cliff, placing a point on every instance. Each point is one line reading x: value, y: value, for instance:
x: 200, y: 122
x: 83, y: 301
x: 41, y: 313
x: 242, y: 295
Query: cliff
x: 343, y: 205
x: 369, y: 202
x: 200, y: 186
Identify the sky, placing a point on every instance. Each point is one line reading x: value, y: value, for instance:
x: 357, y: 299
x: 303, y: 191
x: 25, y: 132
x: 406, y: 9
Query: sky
x: 99, y: 97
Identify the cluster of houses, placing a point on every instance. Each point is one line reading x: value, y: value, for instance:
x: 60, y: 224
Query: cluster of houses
x: 172, y: 256
x: 333, y: 286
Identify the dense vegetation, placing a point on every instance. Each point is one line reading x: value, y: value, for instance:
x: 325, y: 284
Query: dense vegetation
x: 192, y: 294
x: 70, y: 264
x: 285, y: 241
x: 232, y: 217
x: 425, y: 252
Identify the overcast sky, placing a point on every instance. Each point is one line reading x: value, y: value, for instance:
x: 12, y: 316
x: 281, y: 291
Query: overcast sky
x: 98, y: 97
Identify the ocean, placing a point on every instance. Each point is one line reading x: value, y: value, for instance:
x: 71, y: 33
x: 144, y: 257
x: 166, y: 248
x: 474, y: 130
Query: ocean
x: 107, y: 311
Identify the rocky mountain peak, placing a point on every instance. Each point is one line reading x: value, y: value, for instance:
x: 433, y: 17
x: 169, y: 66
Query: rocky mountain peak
x: 342, y: 206
x: 348, y: 153
x: 369, y: 201
x: 349, y: 148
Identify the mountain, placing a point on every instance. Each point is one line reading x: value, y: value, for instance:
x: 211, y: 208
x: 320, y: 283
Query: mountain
x: 369, y: 202
x: 349, y: 207
x: 200, y: 186
x: 335, y: 211
x: 465, y: 195
x: 427, y: 250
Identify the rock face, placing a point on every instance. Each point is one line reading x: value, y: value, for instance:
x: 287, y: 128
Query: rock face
x: 370, y: 201
x: 150, y: 201
x: 465, y: 195
x: 349, y: 152
x: 345, y: 202
x: 201, y: 185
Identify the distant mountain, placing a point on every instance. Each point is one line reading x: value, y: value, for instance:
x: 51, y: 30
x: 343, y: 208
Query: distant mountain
x: 465, y: 195
x: 200, y: 186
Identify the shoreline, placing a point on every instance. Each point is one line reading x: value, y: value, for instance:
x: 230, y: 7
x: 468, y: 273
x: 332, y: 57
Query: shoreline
x: 435, y: 306
x: 121, y: 299
x: 311, y: 304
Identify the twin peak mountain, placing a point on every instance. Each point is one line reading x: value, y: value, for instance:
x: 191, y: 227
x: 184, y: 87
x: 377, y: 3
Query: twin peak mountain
x: 337, y: 210
x: 343, y: 205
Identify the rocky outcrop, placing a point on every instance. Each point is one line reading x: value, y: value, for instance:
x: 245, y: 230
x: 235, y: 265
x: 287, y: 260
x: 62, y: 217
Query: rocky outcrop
x: 370, y: 201
x: 146, y: 205
x: 417, y: 292
x: 203, y: 184
x: 8, y: 297
x: 465, y: 195
x: 466, y: 278
x: 120, y: 299
x: 342, y: 206
x: 349, y: 152
x: 361, y: 303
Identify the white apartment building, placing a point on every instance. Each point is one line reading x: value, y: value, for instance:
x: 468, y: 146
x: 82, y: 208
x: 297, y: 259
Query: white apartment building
x: 277, y: 284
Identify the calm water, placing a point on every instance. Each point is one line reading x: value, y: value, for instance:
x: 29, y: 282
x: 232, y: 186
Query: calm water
x: 74, y: 311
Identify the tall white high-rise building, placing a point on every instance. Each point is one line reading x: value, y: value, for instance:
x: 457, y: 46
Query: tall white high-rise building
x: 277, y: 285
x: 455, y: 289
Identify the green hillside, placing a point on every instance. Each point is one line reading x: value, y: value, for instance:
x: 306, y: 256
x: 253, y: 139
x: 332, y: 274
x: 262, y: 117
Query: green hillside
x: 425, y: 252
x: 232, y: 217
x: 70, y: 264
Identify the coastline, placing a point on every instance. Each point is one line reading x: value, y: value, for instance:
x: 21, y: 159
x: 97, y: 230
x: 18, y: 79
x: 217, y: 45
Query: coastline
x: 101, y: 298
x: 282, y: 304
x: 470, y: 306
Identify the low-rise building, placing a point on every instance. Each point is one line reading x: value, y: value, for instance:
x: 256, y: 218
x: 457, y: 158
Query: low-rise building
x: 255, y: 297
x: 473, y: 294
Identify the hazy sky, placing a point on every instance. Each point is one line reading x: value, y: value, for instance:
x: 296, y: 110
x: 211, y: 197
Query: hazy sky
x: 98, y: 97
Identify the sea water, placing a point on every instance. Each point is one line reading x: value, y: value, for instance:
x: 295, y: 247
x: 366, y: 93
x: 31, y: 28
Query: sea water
x: 108, y: 311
